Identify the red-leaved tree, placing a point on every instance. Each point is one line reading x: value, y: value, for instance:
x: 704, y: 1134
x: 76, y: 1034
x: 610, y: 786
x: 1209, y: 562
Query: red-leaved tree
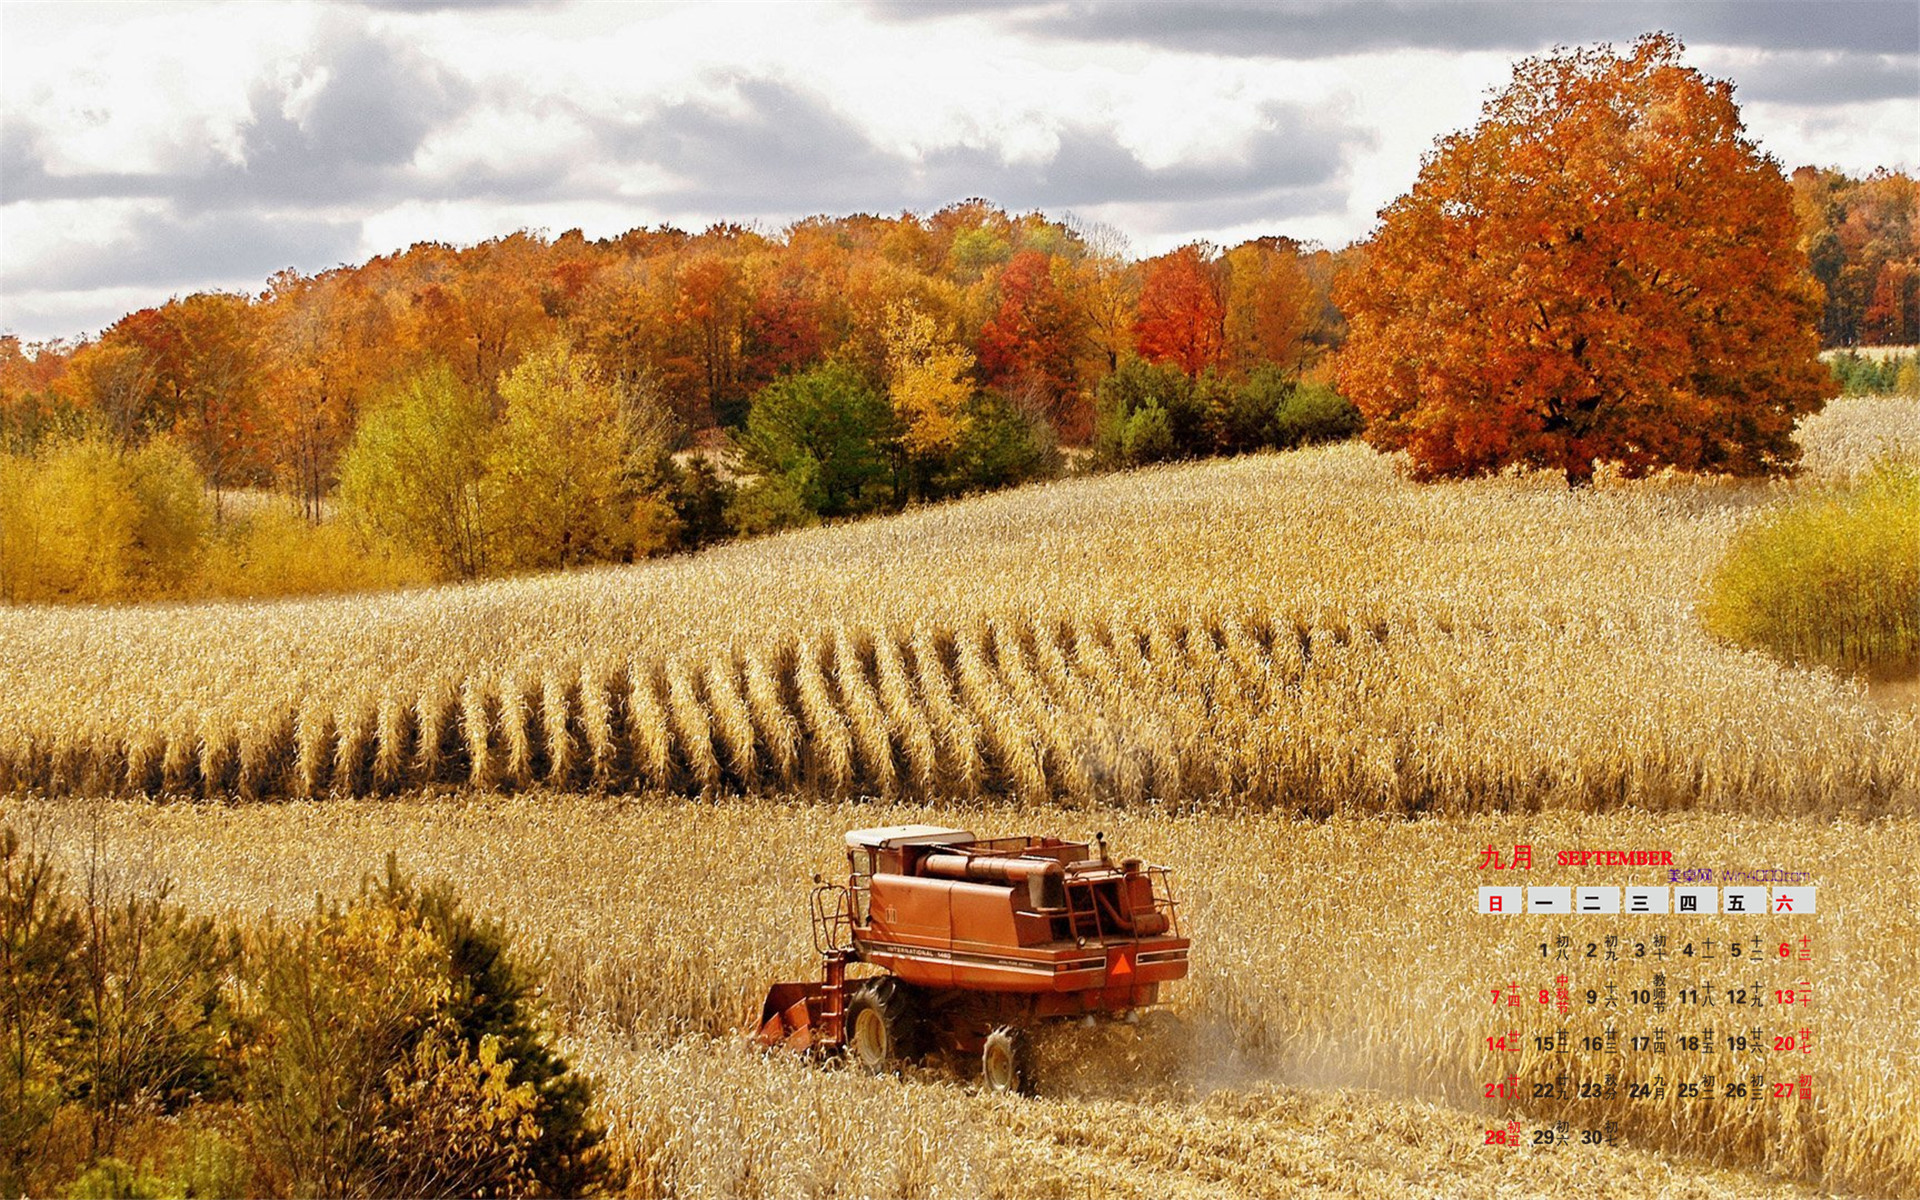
x: 1603, y: 270
x: 1182, y: 311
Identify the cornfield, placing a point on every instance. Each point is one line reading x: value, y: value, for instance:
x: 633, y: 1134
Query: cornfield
x: 1306, y: 632
x: 1191, y: 659
x: 1332, y: 1037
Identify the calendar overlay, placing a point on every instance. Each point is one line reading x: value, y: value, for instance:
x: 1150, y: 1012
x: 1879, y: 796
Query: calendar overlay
x: 1700, y: 987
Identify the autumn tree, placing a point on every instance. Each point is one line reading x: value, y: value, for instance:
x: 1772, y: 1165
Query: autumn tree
x: 414, y: 470
x: 327, y: 343
x: 1031, y: 344
x: 929, y: 380
x: 1270, y: 305
x: 1182, y: 313
x: 1602, y: 270
x: 556, y: 469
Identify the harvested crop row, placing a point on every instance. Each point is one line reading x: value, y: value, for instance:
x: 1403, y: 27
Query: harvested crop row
x: 1402, y: 711
x: 1491, y: 644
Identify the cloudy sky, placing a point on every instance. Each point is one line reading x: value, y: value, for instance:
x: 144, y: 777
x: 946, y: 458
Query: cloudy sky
x: 154, y: 149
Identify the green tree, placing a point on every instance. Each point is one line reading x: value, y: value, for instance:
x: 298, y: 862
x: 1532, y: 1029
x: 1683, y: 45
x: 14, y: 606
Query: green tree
x: 1003, y: 444
x: 825, y: 437
x: 414, y: 470
x: 557, y: 471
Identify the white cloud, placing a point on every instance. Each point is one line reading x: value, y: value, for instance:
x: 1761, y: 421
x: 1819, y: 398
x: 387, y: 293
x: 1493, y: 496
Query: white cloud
x: 178, y: 144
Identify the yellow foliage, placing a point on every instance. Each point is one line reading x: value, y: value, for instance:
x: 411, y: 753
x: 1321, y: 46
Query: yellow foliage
x: 927, y: 381
x: 88, y: 521
x: 274, y: 551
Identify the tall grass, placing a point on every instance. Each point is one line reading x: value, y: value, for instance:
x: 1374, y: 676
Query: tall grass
x: 1830, y: 577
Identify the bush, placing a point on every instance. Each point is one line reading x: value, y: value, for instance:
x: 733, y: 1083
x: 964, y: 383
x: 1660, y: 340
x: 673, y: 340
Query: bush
x: 699, y: 498
x: 771, y: 504
x: 1001, y: 444
x: 1314, y: 412
x: 1148, y: 436
x: 392, y: 1046
x: 1136, y: 386
x: 1149, y: 413
x: 277, y: 552
x: 1832, y: 577
x: 1865, y: 375
x: 395, y: 1049
x: 1243, y: 416
x: 84, y: 520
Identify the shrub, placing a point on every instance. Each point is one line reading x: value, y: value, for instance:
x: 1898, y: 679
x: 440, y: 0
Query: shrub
x: 1832, y: 577
x: 391, y: 1046
x: 1314, y: 412
x: 1243, y: 416
x: 277, y: 552
x: 771, y: 504
x: 699, y: 497
x: 1866, y: 375
x: 1134, y: 387
x: 85, y: 520
x: 1148, y: 436
x: 394, y: 1048
x: 39, y: 1004
x: 1001, y: 444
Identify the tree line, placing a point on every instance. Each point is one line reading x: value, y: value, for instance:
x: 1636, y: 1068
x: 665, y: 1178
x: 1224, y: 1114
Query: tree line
x: 531, y: 402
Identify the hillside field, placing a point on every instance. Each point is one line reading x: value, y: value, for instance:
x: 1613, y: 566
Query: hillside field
x: 1312, y: 688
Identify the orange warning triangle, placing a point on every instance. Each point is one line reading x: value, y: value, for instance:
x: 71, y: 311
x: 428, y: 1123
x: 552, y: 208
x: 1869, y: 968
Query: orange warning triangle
x: 1121, y: 964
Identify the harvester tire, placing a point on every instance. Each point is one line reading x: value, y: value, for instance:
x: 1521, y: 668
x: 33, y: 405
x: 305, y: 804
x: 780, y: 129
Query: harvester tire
x: 882, y: 1028
x: 1004, y: 1062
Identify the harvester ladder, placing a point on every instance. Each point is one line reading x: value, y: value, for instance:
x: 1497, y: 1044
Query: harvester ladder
x: 1084, y: 922
x: 833, y: 996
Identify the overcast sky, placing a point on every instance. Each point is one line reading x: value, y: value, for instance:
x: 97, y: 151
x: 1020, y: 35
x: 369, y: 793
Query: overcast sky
x: 151, y: 149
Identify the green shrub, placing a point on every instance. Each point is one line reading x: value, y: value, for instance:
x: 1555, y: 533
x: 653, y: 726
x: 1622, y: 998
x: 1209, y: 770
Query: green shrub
x: 1148, y: 436
x: 1831, y: 577
x: 1135, y: 386
x: 1867, y: 375
x: 1314, y: 412
x: 1001, y: 444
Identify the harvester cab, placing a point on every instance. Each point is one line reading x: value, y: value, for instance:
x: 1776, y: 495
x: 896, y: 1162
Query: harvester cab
x: 976, y: 940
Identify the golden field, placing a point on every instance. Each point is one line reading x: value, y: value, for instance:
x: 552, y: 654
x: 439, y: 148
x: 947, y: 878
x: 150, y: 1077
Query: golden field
x: 1330, y: 956
x: 1313, y: 689
x: 1307, y: 631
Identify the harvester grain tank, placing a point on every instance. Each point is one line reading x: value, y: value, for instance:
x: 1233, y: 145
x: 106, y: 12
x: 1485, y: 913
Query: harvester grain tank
x: 977, y: 940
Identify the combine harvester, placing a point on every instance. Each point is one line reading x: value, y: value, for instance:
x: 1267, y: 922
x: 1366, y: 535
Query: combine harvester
x: 979, y: 939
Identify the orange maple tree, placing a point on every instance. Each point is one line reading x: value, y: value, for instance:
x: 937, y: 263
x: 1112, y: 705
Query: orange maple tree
x: 1604, y: 269
x: 1182, y: 313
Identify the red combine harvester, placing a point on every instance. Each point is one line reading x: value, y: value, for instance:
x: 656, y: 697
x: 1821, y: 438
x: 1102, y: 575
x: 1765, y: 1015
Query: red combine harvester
x: 979, y: 938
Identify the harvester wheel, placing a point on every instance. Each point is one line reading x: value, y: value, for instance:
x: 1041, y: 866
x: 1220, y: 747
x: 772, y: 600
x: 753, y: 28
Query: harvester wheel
x: 1003, y: 1062
x: 881, y: 1026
